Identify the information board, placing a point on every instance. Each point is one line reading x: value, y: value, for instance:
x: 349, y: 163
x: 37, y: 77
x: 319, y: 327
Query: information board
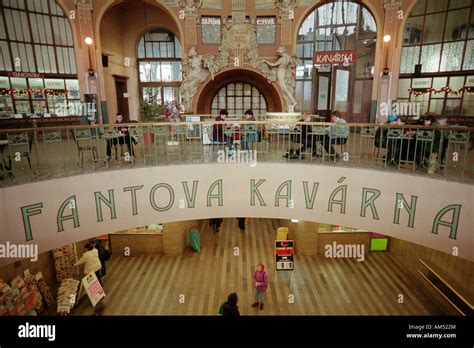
x: 93, y: 288
x: 284, y: 255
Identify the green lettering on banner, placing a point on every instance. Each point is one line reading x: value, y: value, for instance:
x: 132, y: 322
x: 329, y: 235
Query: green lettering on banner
x: 26, y: 212
x: 255, y: 192
x: 341, y: 202
x: 411, y: 209
x: 218, y: 195
x: 369, y: 202
x: 190, y: 199
x: 99, y: 199
x: 73, y: 216
x: 453, y: 224
x: 287, y: 196
x: 310, y: 200
x: 133, y: 192
x: 152, y: 197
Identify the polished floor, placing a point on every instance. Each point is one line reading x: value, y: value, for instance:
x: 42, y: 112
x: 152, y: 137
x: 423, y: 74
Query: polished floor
x: 154, y: 284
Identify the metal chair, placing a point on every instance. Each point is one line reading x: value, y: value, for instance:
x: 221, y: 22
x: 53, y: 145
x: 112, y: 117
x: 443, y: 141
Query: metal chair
x: 16, y: 144
x: 85, y: 135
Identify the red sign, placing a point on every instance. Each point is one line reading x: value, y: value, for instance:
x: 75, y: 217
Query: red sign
x: 334, y: 57
x: 25, y: 74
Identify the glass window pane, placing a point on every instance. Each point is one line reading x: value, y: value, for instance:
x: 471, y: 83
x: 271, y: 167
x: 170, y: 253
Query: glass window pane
x: 73, y: 89
x: 459, y: 3
x: 469, y: 56
x: 455, y: 83
x: 456, y: 25
x: 430, y: 56
x: 419, y: 8
x: 22, y: 106
x: 6, y: 105
x: 413, y: 29
x: 453, y: 107
x: 436, y: 5
x: 438, y: 83
x: 3, y: 32
x: 5, y: 60
x: 436, y: 106
x: 341, y: 90
x: 141, y: 48
x: 410, y: 57
x: 467, y: 105
x: 452, y: 56
x: 433, y: 31
x: 403, y: 85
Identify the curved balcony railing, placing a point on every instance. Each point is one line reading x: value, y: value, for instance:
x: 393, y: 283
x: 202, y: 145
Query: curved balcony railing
x: 43, y: 153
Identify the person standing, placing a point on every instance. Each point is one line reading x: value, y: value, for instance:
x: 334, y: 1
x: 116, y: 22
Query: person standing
x: 91, y: 261
x: 260, y: 281
x: 241, y: 223
x: 230, y: 308
x: 103, y: 254
x: 215, y: 224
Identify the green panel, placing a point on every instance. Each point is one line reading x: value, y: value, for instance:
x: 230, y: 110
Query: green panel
x: 373, y: 111
x: 378, y: 244
x: 103, y: 109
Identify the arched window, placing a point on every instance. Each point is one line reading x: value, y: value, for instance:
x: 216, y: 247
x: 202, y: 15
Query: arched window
x: 237, y: 97
x: 37, y: 58
x: 439, y: 36
x: 159, y: 63
x: 336, y: 26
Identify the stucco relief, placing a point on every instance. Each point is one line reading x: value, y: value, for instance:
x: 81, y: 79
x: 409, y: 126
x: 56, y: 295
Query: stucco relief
x: 286, y: 5
x: 190, y: 6
x: 238, y: 36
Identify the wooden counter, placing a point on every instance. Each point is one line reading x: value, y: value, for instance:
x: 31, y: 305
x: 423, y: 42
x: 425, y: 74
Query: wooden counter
x: 139, y: 240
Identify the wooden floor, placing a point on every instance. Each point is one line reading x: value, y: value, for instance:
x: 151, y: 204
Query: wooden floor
x: 152, y: 284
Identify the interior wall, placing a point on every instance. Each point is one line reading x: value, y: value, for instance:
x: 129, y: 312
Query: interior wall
x: 458, y: 272
x: 120, y: 30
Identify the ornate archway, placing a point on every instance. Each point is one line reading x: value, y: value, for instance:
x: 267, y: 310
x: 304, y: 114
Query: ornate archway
x: 271, y: 94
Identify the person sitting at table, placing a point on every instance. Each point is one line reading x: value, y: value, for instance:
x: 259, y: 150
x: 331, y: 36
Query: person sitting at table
x: 218, y: 136
x: 122, y: 138
x: 303, y: 141
x: 335, y: 134
x: 250, y: 131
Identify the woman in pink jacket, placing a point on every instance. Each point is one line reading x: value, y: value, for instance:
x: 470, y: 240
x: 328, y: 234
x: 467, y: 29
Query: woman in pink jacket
x: 260, y: 281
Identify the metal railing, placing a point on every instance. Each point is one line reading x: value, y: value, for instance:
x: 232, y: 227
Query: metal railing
x: 41, y: 153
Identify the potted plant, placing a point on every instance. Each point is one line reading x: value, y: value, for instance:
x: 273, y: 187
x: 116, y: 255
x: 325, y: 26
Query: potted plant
x: 150, y: 107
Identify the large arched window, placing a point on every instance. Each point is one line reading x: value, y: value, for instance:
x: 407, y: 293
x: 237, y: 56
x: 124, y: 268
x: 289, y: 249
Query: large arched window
x: 237, y: 97
x: 335, y: 26
x: 159, y: 63
x: 37, y: 59
x: 439, y: 36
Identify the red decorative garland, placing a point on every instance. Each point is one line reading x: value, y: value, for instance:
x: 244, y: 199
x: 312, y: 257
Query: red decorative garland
x: 29, y: 91
x: 421, y: 91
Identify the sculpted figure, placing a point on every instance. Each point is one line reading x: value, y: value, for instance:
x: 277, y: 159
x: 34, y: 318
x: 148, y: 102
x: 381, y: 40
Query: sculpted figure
x: 194, y: 75
x: 190, y: 6
x: 285, y: 75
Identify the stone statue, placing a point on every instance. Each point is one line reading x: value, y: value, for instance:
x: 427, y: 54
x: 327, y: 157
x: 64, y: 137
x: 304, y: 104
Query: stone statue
x: 194, y: 74
x: 190, y: 6
x: 285, y: 75
x: 286, y: 5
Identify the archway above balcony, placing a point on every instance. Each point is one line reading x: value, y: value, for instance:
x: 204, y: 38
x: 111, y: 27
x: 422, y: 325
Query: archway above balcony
x: 203, y: 100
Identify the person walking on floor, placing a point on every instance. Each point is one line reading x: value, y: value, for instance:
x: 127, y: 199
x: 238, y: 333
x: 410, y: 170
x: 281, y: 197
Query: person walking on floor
x: 104, y: 254
x: 91, y: 261
x: 215, y: 224
x: 260, y: 281
x: 241, y: 222
x: 229, y: 308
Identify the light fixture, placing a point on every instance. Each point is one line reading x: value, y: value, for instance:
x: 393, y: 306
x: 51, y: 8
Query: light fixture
x: 387, y: 38
x: 88, y: 41
x: 295, y: 221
